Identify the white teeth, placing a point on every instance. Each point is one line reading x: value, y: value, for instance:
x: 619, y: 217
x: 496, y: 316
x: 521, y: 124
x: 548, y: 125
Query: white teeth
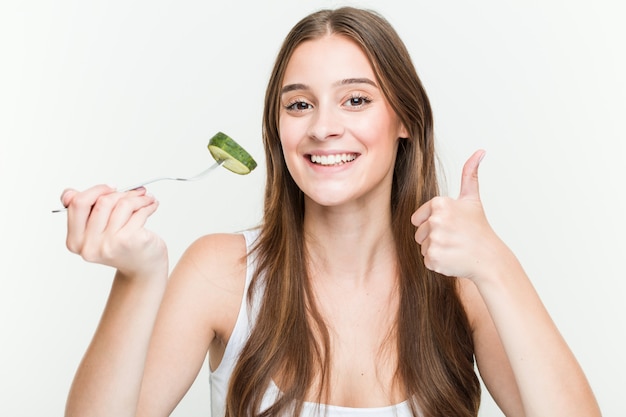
x: 337, y: 159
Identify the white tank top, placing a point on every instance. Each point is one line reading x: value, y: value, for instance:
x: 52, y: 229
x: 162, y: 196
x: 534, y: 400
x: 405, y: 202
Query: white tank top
x: 219, y: 378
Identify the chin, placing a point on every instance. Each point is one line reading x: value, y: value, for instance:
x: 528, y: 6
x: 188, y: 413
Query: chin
x: 324, y: 201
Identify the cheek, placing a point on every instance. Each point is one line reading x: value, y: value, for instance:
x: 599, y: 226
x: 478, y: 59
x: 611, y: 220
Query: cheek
x: 288, y: 142
x: 286, y: 131
x: 377, y: 133
x: 292, y: 131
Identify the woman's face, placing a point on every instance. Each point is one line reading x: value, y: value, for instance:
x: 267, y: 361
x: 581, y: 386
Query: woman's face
x: 338, y: 132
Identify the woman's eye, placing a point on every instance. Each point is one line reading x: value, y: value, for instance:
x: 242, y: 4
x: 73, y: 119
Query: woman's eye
x: 298, y: 106
x: 357, y: 101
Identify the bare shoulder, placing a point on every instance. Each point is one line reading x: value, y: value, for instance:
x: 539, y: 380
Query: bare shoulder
x: 215, y: 253
x: 214, y: 267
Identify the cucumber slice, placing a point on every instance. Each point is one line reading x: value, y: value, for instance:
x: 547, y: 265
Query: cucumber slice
x: 232, y: 156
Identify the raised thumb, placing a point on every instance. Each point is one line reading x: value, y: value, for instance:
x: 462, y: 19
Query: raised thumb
x: 469, y: 178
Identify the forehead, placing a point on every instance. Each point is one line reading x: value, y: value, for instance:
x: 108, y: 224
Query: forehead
x: 330, y: 57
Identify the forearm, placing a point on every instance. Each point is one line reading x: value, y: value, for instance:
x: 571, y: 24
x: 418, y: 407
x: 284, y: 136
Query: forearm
x: 550, y: 380
x: 108, y: 380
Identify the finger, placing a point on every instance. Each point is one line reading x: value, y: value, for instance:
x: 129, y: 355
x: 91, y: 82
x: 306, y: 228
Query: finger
x: 425, y: 245
x: 67, y: 195
x: 127, y: 207
x: 86, y: 196
x: 79, y: 206
x: 422, y: 214
x: 140, y: 217
x: 101, y: 213
x: 422, y: 233
x: 469, y: 178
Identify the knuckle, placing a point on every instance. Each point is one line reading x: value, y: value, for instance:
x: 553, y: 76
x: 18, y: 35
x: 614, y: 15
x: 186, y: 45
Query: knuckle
x: 123, y: 202
x: 81, y: 200
x: 436, y: 220
x: 77, y: 201
x: 67, y: 196
x: 104, y: 201
x: 431, y: 263
x: 89, y: 254
x: 438, y: 202
x: 434, y: 236
x: 91, y: 251
x: 72, y: 245
x: 428, y: 252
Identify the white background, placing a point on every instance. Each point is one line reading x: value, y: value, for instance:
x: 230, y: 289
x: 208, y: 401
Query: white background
x: 118, y: 91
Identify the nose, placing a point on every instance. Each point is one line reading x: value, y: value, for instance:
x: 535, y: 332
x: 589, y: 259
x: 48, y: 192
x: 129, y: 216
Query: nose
x: 325, y: 123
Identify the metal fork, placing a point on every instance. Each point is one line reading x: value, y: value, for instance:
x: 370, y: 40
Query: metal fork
x: 150, y: 181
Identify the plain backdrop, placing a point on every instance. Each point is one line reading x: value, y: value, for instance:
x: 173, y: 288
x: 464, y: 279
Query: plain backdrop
x: 119, y: 91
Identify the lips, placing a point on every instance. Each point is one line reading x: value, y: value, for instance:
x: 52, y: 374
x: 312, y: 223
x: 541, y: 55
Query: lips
x: 333, y: 159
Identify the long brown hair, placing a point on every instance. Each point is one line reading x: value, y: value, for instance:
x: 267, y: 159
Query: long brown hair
x: 435, y: 362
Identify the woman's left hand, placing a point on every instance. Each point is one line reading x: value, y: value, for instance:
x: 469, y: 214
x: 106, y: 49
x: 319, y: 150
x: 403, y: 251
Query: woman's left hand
x: 455, y: 237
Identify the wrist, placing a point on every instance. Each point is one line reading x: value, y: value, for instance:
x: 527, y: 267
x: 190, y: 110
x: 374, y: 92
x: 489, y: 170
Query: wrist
x: 154, y: 273
x: 499, y: 264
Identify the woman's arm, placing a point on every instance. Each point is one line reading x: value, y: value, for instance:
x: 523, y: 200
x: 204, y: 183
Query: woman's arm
x: 456, y: 240
x: 549, y: 379
x: 109, y: 377
x: 107, y: 227
x: 154, y: 333
x: 491, y: 359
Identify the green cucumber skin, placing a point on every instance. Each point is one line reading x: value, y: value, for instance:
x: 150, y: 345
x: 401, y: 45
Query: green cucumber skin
x: 228, y: 145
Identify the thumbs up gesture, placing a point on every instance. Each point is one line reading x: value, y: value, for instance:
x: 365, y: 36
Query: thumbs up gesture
x: 455, y: 238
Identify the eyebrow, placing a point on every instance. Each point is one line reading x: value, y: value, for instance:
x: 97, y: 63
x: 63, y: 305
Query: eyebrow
x: 299, y: 86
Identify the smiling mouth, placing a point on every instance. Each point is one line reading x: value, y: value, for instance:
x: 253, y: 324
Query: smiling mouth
x: 328, y: 160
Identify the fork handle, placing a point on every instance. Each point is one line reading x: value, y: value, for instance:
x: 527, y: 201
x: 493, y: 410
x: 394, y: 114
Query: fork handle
x: 150, y: 181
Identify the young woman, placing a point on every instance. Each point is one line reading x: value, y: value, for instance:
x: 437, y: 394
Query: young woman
x: 361, y: 293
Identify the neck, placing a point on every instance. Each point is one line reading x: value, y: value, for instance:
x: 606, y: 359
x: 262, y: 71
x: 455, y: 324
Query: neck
x: 352, y: 244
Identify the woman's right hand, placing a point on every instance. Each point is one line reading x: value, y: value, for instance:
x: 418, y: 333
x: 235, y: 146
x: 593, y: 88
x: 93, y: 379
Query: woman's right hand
x: 107, y: 227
